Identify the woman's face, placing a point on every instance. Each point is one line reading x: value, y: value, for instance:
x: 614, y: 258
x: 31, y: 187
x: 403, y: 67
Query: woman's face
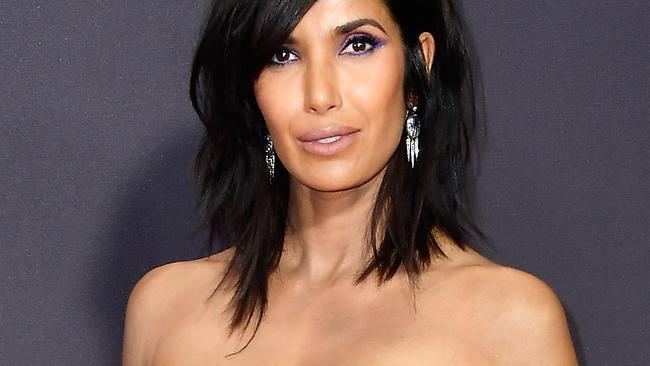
x: 333, y: 97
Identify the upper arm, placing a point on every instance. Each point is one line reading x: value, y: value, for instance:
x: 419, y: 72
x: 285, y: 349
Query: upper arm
x: 143, y: 314
x: 534, y: 327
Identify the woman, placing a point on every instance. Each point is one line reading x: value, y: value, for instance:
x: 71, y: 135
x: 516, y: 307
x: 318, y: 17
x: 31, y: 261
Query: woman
x: 337, y: 132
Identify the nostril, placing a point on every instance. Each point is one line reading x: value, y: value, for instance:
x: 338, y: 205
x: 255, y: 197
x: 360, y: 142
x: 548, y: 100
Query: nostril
x: 321, y: 90
x: 323, y: 101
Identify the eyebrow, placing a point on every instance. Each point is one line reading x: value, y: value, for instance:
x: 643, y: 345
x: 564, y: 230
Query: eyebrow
x: 347, y: 28
x: 350, y: 26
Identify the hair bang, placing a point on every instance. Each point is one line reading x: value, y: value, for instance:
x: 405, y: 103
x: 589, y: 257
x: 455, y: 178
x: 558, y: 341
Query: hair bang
x: 274, y: 22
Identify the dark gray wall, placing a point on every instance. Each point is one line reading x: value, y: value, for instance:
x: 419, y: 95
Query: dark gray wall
x: 564, y: 189
x: 97, y: 134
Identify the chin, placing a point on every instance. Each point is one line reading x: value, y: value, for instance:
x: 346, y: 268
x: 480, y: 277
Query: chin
x: 332, y: 186
x: 334, y: 180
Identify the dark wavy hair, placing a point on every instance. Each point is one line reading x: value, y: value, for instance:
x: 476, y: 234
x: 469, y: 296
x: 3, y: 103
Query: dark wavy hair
x: 243, y: 209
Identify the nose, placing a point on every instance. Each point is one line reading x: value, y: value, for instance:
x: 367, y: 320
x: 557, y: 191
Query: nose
x: 322, y: 92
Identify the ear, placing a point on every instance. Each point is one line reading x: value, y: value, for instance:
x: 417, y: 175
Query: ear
x: 428, y: 46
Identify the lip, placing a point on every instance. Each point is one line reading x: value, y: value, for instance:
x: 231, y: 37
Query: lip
x: 309, y: 140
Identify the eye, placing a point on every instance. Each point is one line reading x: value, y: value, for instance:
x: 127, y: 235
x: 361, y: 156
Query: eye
x: 360, y: 44
x: 283, y: 57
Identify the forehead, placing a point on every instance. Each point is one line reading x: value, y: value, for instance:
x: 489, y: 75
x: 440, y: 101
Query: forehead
x: 327, y: 15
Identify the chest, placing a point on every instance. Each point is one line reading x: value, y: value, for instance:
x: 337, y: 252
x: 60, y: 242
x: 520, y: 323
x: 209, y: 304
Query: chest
x: 290, y: 350
x: 393, y: 332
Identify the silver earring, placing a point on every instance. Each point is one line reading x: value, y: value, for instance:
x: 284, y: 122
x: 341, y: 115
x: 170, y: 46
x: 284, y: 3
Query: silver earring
x: 270, y: 157
x: 412, y: 133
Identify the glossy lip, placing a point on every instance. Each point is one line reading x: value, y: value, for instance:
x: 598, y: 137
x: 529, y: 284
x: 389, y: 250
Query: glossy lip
x: 323, y: 133
x: 309, y: 140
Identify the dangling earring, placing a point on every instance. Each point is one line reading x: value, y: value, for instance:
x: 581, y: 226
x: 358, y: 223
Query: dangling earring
x: 270, y: 157
x: 412, y: 133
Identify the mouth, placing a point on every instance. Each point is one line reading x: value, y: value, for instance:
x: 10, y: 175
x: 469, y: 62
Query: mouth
x: 328, y: 141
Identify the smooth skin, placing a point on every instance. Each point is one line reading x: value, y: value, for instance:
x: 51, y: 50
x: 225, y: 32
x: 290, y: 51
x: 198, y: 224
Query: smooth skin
x: 466, y: 311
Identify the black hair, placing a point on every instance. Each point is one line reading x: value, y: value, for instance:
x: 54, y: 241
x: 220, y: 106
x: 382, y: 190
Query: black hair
x: 243, y: 209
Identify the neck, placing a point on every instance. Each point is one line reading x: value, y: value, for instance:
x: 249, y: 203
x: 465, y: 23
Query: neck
x: 327, y: 239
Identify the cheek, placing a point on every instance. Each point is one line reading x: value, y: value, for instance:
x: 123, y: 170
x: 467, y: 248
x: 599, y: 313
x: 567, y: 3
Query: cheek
x: 380, y: 82
x: 277, y: 101
x: 378, y: 93
x: 268, y: 100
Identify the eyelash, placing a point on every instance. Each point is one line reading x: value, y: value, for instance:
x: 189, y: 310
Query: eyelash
x: 362, y: 38
x: 355, y: 38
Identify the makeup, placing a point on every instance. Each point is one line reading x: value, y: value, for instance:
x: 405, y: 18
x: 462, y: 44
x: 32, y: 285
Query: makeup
x: 358, y: 39
x: 328, y: 141
x: 359, y: 44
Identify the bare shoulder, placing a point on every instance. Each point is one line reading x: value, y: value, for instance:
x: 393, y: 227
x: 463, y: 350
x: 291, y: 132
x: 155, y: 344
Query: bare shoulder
x: 165, y: 282
x: 520, y: 315
x: 163, y: 291
x: 506, y: 286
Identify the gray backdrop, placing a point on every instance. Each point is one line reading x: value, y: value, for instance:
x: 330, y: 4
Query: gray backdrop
x: 97, y: 134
